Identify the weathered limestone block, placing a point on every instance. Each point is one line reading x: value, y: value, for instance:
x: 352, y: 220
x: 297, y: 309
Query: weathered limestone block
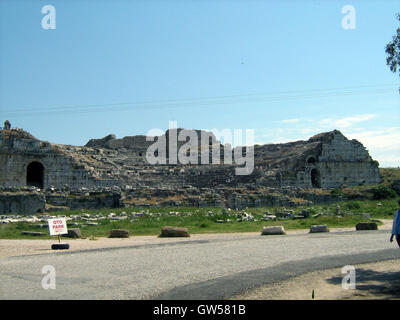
x: 319, y: 228
x: 73, y: 233
x: 119, y: 233
x: 174, y: 232
x: 366, y: 226
x: 269, y: 217
x: 32, y: 233
x: 275, y: 230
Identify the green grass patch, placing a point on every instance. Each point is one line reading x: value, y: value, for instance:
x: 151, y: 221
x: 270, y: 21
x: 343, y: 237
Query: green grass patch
x: 196, y: 224
x: 204, y: 220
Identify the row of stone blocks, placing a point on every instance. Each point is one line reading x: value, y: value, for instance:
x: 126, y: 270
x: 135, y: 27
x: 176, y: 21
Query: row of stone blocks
x: 184, y: 232
x: 119, y: 233
x: 279, y: 230
x: 165, y: 232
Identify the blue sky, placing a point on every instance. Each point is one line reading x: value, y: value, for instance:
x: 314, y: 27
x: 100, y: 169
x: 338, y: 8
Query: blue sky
x: 286, y: 69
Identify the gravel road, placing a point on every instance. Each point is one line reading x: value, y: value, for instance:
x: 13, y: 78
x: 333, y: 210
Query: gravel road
x: 213, y: 267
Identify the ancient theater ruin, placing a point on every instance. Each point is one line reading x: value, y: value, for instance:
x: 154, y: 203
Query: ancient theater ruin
x: 327, y: 160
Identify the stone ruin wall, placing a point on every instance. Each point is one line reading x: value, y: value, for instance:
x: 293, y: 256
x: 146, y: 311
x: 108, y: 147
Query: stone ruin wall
x: 22, y: 203
x: 16, y: 153
x: 109, y: 161
x: 59, y: 171
x: 38, y: 202
x: 346, y: 162
x: 335, y: 162
x: 328, y: 160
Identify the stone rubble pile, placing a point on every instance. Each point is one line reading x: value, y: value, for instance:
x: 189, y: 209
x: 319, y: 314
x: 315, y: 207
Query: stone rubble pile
x: 227, y: 214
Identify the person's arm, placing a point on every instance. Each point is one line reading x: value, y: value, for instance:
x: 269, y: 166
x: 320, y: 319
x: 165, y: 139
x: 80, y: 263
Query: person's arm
x: 394, y: 227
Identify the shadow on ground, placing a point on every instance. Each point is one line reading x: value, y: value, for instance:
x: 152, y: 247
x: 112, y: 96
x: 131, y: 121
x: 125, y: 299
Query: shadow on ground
x: 382, y: 284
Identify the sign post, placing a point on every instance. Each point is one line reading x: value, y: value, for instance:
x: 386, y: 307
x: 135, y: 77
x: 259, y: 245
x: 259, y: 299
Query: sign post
x: 57, y: 227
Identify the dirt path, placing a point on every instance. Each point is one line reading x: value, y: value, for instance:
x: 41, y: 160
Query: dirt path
x: 380, y: 280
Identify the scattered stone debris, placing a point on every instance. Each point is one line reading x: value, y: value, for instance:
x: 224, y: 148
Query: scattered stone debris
x: 269, y: 218
x: 244, y: 216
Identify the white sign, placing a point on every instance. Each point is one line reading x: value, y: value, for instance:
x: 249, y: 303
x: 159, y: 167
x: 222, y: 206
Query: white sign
x: 57, y: 226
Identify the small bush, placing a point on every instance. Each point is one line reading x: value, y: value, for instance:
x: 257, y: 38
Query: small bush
x: 375, y: 163
x: 312, y: 211
x: 337, y: 192
x: 353, y: 205
x: 20, y: 225
x: 383, y: 192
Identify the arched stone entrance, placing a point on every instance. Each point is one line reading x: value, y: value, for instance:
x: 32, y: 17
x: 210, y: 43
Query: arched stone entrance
x: 35, y: 175
x: 315, y: 178
x: 311, y: 160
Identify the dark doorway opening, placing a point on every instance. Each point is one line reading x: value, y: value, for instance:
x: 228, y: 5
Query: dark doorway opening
x: 35, y: 175
x: 315, y: 178
x: 311, y: 160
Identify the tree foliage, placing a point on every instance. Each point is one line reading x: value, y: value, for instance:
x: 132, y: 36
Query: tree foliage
x: 393, y: 51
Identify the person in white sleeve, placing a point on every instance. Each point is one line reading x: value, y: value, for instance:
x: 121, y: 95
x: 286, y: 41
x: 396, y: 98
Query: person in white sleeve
x: 396, y: 226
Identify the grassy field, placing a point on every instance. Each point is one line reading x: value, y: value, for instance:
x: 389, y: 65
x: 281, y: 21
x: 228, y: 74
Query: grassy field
x: 199, y: 220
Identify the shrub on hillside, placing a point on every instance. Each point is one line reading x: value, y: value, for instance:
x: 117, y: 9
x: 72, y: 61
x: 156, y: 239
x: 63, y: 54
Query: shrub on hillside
x: 383, y: 192
x: 337, y: 192
x: 353, y: 205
